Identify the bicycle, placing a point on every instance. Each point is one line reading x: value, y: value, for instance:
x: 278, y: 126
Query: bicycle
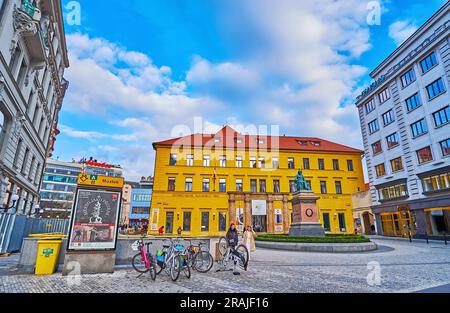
x: 143, y: 261
x: 172, y: 258
x: 200, y: 260
x: 239, y: 255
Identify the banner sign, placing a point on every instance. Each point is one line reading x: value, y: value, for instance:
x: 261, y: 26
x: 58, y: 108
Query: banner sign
x: 259, y: 207
x: 95, y: 220
x: 100, y: 181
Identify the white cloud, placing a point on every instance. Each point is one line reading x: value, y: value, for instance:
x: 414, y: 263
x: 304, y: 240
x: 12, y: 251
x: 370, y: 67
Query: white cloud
x: 401, y: 30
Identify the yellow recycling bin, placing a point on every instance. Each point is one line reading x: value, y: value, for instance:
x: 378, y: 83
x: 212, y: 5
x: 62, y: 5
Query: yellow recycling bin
x: 47, y: 256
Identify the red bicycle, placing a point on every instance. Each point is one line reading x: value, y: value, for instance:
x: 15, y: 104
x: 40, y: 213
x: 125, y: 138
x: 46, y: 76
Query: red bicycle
x: 144, y: 261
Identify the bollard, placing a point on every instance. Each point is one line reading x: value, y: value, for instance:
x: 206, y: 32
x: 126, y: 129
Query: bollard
x: 427, y: 240
x: 445, y: 239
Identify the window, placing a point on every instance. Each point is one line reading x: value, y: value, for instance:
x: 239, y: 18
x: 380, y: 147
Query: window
x: 37, y: 175
x: 335, y: 164
x: 445, y: 147
x: 442, y: 116
x: 216, y: 139
x: 321, y: 164
x: 261, y: 163
x: 252, y: 162
x: 14, y: 59
x: 424, y: 155
x: 188, y: 187
x: 223, y: 161
x: 190, y: 160
x: 291, y: 163
x: 428, y: 63
x: 436, y: 183
x: 435, y: 88
x: 413, y: 102
x: 140, y: 210
x: 18, y: 150
x: 205, y: 185
x: 350, y: 167
x: 342, y: 226
x: 173, y: 159
x: 408, y: 78
x: 338, y: 186
x: 262, y: 185
x: 206, y: 160
x: 239, y: 140
x: 397, y: 165
x: 222, y: 185
x: 239, y: 162
x: 323, y: 187
x: 392, y: 140
x: 384, y: 95
x: 33, y: 160
x: 388, y: 117
x: 419, y: 128
x: 370, y: 106
x: 377, y: 148
x: 187, y: 217
x: 292, y: 186
x: 275, y: 163
x: 171, y: 186
x: 222, y: 221
x: 253, y: 184
x: 326, y: 221
x: 25, y: 161
x: 276, y: 186
x: 306, y: 164
x: 374, y: 126
x: 393, y: 192
x: 380, y: 170
x: 239, y: 186
x: 205, y: 221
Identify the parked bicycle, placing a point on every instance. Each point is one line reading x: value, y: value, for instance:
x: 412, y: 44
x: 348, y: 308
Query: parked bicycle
x: 143, y: 261
x: 198, y: 259
x: 237, y: 255
x: 173, y: 259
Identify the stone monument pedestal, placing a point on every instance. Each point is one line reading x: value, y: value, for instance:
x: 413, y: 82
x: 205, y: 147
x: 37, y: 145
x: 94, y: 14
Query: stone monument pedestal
x: 305, y: 222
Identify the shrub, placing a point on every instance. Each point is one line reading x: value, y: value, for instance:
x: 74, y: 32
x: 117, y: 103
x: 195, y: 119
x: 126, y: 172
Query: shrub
x: 339, y: 238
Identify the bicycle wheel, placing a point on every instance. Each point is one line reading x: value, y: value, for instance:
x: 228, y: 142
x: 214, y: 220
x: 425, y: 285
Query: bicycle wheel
x: 175, y: 268
x: 138, y: 263
x: 223, y: 246
x: 152, y: 267
x: 187, y: 271
x: 203, y: 262
x: 243, y: 253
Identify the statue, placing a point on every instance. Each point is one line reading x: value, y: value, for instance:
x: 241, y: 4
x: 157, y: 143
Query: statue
x: 300, y: 182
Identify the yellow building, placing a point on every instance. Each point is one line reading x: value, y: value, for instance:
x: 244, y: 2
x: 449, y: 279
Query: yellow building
x: 204, y: 182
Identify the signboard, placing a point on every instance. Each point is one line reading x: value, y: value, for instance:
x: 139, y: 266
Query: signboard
x: 95, y: 220
x: 259, y: 207
x: 278, y: 220
x: 154, y: 219
x: 240, y: 219
x: 100, y: 181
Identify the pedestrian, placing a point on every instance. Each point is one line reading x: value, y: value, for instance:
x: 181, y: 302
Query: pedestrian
x: 249, y: 240
x: 161, y: 230
x: 233, y: 240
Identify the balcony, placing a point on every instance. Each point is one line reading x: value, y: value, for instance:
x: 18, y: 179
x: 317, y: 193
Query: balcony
x: 27, y: 25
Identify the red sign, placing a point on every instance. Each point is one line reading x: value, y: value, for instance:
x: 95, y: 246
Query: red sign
x: 97, y: 164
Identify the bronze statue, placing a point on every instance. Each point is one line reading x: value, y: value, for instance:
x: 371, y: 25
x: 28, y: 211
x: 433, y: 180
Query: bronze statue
x: 300, y: 183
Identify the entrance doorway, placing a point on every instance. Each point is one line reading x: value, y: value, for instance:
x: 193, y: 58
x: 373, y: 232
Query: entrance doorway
x: 397, y: 224
x: 169, y: 222
x: 438, y: 221
x: 259, y: 223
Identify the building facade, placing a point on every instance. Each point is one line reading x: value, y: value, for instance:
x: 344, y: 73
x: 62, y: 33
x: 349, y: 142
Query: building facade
x: 202, y: 183
x: 404, y: 119
x: 59, y: 184
x: 362, y: 212
x: 33, y: 58
x: 141, y: 198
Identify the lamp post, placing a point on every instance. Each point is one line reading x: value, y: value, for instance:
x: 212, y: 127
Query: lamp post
x: 14, y: 199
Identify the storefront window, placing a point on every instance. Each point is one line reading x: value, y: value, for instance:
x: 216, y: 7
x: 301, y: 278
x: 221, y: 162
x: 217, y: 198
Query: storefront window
x: 436, y: 183
x: 393, y: 192
x: 187, y: 221
x: 326, y: 221
x: 342, y: 226
x: 222, y: 221
x: 205, y: 221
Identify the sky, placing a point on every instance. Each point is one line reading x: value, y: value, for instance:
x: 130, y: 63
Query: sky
x: 142, y: 71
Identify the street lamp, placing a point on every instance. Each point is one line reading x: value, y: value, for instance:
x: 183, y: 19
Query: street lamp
x: 14, y: 199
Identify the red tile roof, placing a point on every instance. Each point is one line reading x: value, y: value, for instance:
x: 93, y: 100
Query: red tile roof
x: 229, y: 139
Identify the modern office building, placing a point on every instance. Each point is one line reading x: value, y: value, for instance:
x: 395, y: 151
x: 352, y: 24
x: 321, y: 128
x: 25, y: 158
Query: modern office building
x: 405, y: 126
x: 141, y: 198
x: 59, y: 184
x: 33, y: 58
x: 203, y: 182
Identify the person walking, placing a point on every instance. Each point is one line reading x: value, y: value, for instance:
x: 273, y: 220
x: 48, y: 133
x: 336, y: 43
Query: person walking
x: 249, y: 240
x: 232, y: 237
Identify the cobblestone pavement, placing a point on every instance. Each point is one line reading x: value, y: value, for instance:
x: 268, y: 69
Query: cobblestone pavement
x: 404, y: 267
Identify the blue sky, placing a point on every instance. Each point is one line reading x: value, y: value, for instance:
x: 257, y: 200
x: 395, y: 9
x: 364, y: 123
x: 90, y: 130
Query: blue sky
x: 141, y: 70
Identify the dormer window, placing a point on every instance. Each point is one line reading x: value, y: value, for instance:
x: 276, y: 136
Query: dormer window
x: 303, y: 142
x: 261, y: 141
x: 316, y: 143
x: 216, y: 139
x: 239, y: 140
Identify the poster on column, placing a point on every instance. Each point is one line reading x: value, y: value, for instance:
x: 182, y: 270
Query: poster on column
x: 278, y: 221
x: 240, y: 219
x: 96, y: 216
